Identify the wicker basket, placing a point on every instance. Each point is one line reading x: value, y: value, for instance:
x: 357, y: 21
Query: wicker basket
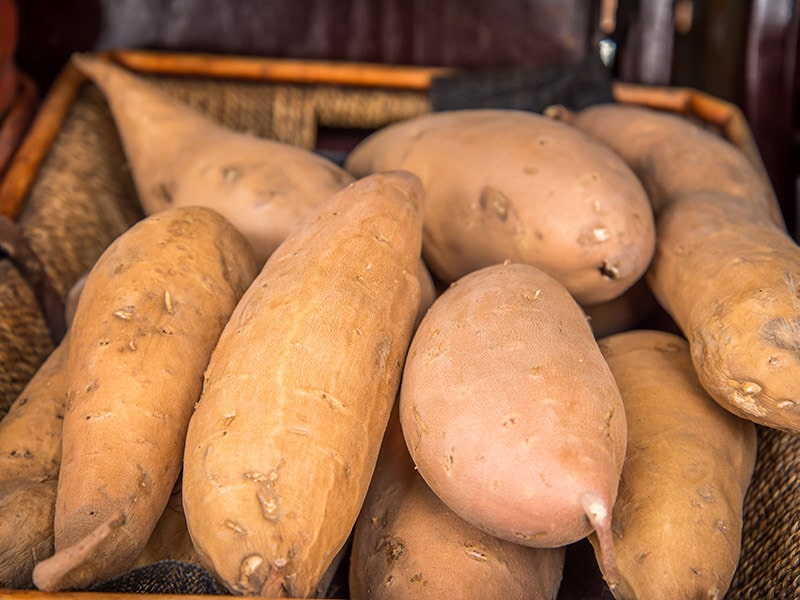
x: 67, y: 194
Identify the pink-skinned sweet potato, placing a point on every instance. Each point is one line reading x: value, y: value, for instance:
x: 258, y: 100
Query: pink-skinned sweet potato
x: 511, y: 413
x: 515, y: 185
x: 407, y: 544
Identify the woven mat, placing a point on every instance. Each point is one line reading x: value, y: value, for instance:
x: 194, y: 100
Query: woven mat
x: 769, y: 567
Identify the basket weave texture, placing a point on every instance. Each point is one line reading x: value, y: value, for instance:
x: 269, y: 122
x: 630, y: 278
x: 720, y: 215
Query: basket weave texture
x: 83, y: 198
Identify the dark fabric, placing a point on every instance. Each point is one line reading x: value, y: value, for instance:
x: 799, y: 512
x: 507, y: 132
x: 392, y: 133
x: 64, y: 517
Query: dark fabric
x: 164, y: 577
x: 575, y: 85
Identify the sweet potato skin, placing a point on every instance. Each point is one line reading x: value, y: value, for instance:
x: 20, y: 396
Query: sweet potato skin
x: 179, y: 157
x: 149, y: 315
x: 509, y: 410
x: 283, y: 442
x: 725, y: 268
x: 407, y: 544
x: 678, y: 515
x: 30, y: 455
x: 513, y: 185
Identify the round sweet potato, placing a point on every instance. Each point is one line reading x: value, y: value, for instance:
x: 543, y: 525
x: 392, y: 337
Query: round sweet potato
x: 514, y: 185
x: 510, y: 411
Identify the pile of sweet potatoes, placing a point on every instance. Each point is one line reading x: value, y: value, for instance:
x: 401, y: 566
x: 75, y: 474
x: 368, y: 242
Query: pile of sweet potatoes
x: 445, y: 359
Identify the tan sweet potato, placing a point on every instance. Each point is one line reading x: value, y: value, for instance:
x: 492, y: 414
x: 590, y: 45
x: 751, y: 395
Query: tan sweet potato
x: 511, y: 413
x: 725, y: 268
x: 30, y: 454
x: 178, y: 157
x: 407, y: 544
x: 678, y: 515
x: 514, y: 185
x: 170, y: 539
x: 148, y: 318
x: 283, y: 443
x: 30, y: 458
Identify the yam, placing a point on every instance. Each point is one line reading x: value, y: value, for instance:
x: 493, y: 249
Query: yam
x: 514, y: 185
x: 678, y: 515
x: 179, y: 157
x: 30, y: 459
x: 510, y: 412
x: 30, y: 455
x: 282, y: 445
x: 725, y: 268
x: 407, y: 544
x: 150, y: 313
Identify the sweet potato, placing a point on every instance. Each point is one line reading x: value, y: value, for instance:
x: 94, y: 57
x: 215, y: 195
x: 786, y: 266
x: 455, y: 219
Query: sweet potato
x: 513, y: 185
x: 147, y: 320
x: 511, y: 413
x: 283, y: 442
x: 30, y: 458
x: 170, y: 539
x: 179, y: 157
x: 30, y: 454
x: 678, y: 515
x: 725, y: 268
x: 408, y: 544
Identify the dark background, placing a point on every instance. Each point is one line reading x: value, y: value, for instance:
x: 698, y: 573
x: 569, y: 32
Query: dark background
x: 740, y: 50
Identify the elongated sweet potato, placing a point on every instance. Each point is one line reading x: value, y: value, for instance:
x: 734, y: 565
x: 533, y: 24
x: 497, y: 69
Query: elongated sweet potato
x: 148, y: 318
x: 407, y: 544
x: 179, y: 157
x: 30, y: 458
x: 510, y: 411
x: 678, y: 515
x: 283, y: 443
x: 513, y: 185
x: 725, y: 268
x: 30, y: 455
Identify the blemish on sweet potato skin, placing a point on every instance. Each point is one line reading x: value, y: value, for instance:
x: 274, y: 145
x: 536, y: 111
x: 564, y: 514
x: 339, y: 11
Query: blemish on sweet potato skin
x: 783, y: 333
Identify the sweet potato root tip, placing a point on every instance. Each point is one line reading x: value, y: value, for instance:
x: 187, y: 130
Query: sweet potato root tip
x: 54, y: 573
x: 599, y: 514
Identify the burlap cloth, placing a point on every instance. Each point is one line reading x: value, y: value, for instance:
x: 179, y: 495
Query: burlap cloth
x: 83, y: 198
